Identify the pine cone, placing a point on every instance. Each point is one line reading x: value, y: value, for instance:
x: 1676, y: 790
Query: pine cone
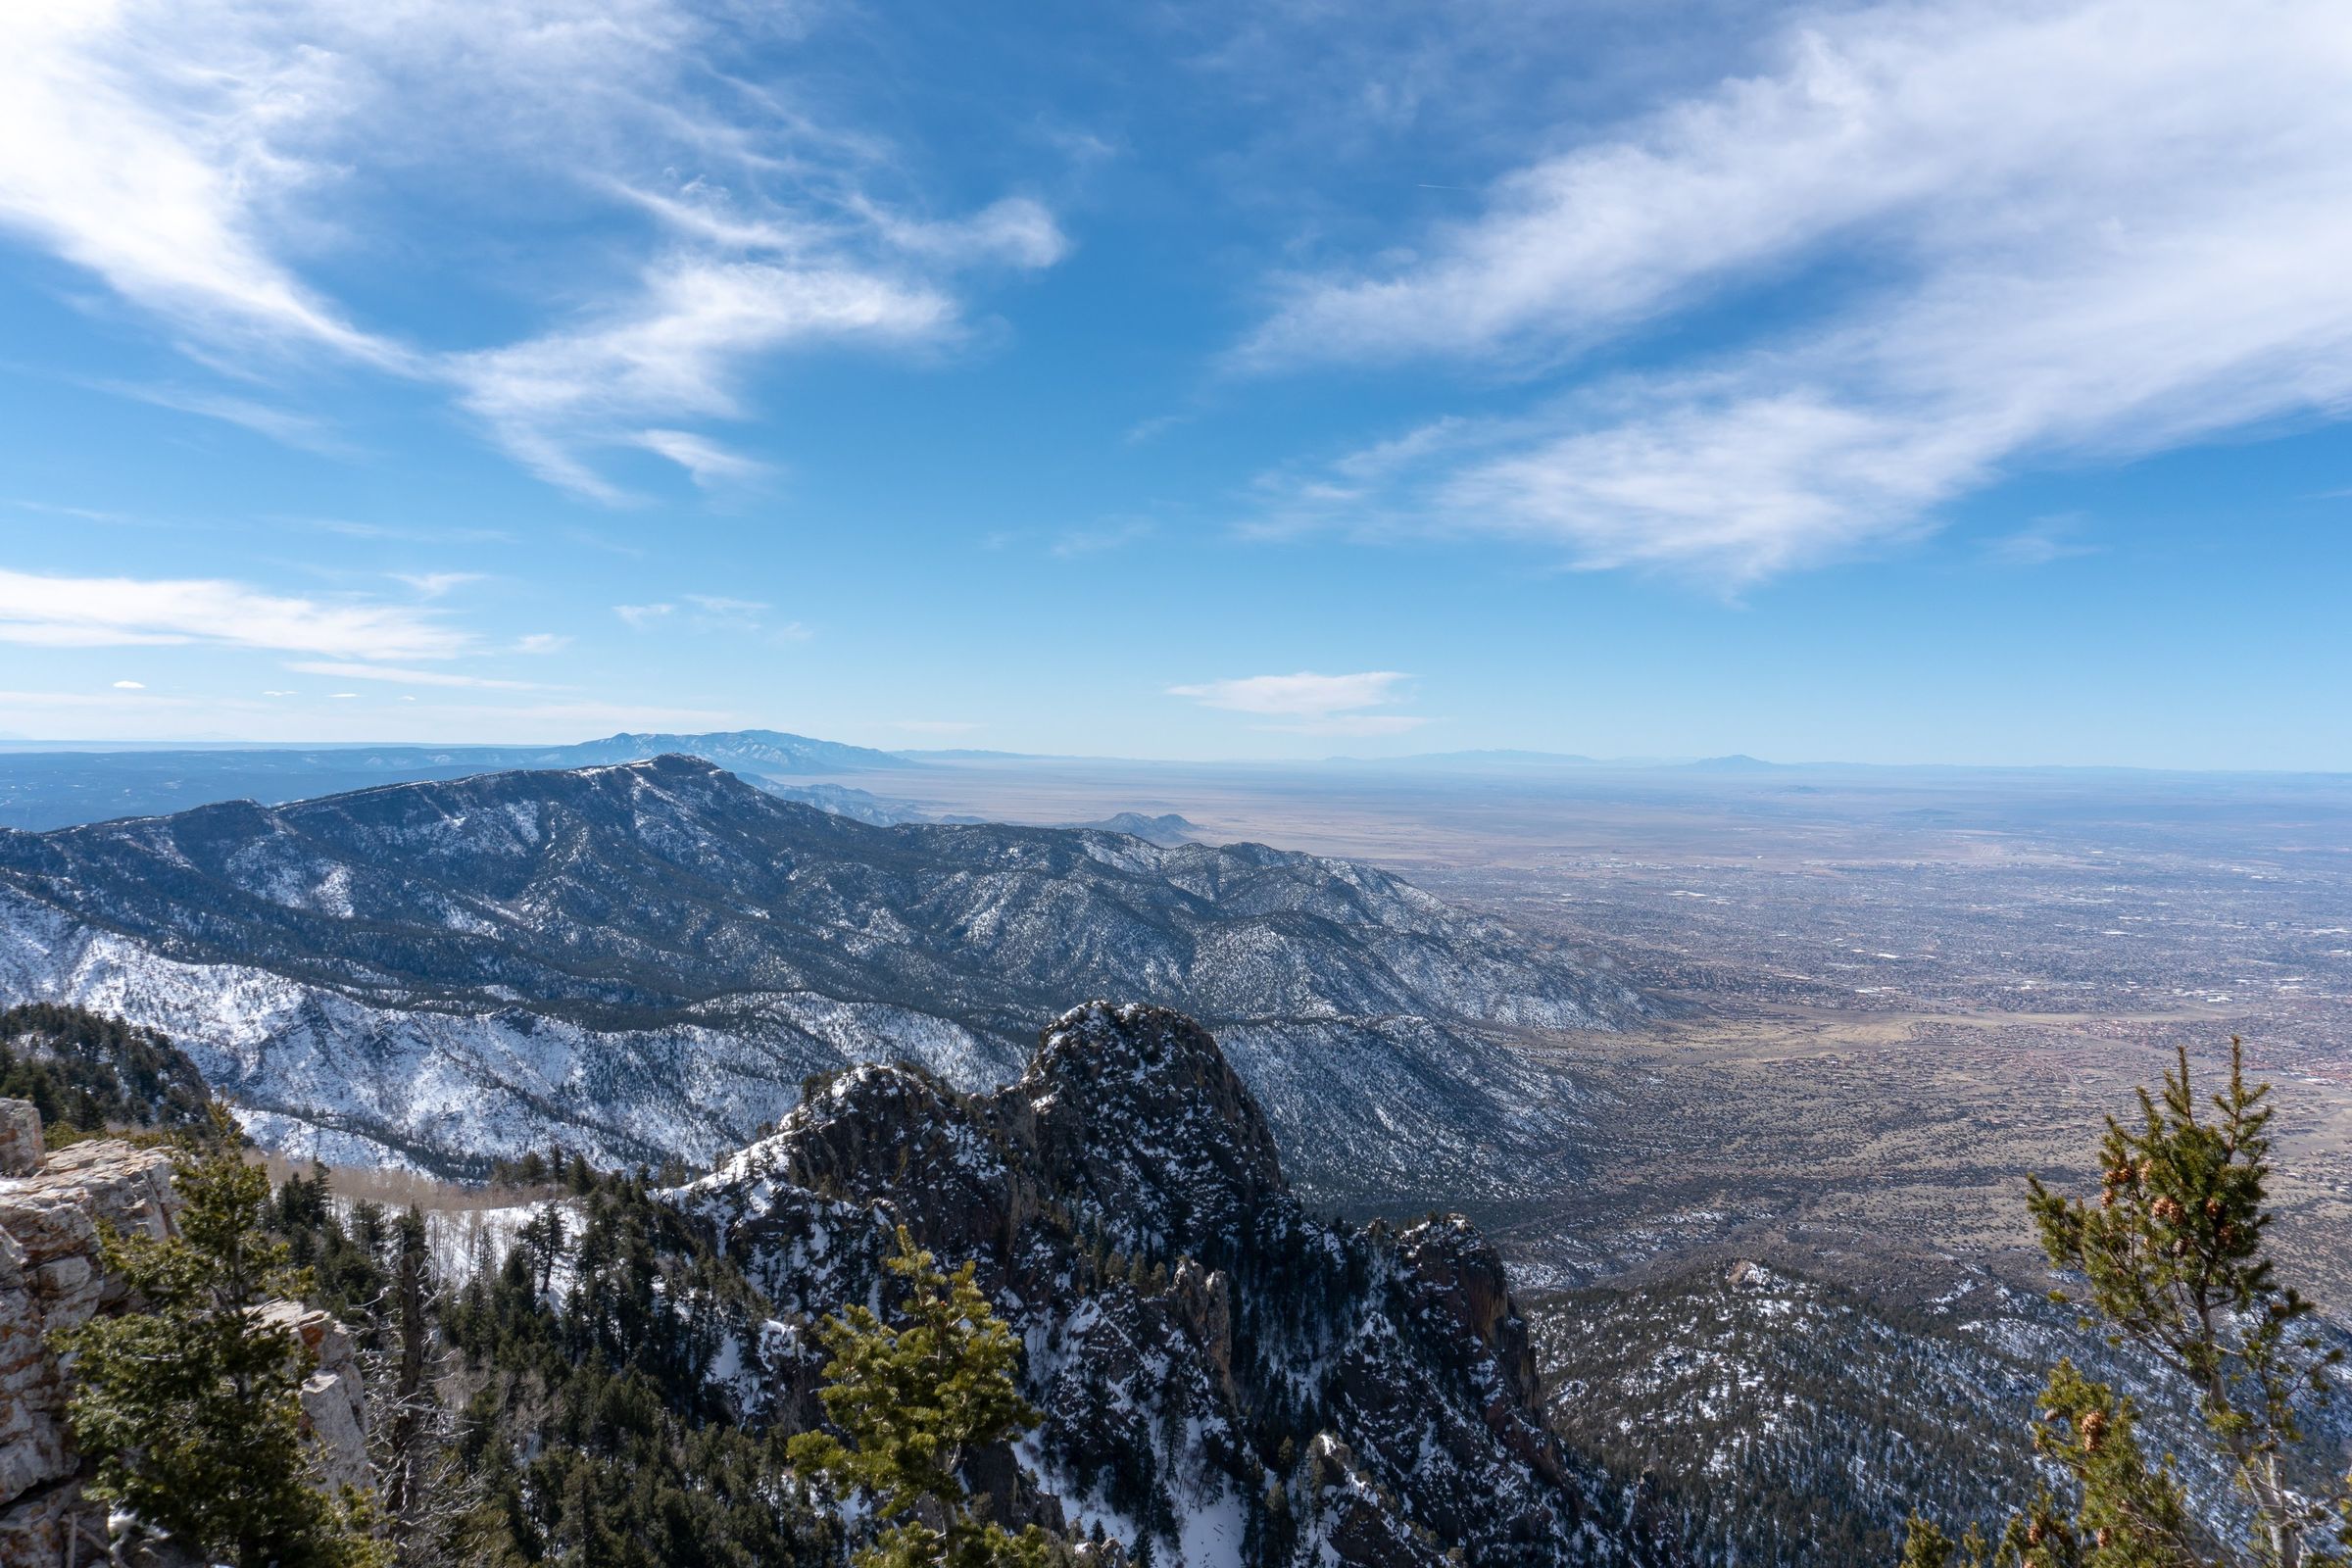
x: 2094, y: 1430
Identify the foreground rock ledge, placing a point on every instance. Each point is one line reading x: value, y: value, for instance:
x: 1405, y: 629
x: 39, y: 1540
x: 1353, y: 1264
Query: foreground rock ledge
x: 52, y: 1277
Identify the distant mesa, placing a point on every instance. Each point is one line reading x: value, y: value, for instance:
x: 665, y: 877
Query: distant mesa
x: 1167, y: 830
x: 1736, y: 763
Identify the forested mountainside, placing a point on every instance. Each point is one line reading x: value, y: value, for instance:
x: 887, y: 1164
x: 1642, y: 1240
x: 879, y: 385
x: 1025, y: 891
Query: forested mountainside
x: 85, y: 1073
x: 1225, y: 1379
x: 1789, y: 1422
x: 644, y: 960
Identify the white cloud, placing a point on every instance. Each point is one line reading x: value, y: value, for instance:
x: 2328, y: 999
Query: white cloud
x: 199, y: 157
x: 124, y: 153
x: 283, y: 425
x: 678, y: 348
x: 721, y: 604
x: 433, y: 584
x: 2040, y: 543
x: 1310, y: 703
x: 705, y: 460
x: 2092, y: 229
x: 716, y: 613
x: 542, y: 642
x: 1015, y: 232
x: 408, y: 677
x: 130, y: 685
x: 125, y: 612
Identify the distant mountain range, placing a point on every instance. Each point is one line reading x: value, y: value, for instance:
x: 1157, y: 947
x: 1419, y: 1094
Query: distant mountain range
x: 645, y: 959
x: 58, y: 788
x: 55, y: 789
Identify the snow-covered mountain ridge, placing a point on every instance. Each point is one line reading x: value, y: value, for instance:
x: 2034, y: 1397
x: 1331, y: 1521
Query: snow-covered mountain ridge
x: 645, y: 959
x: 1220, y: 1371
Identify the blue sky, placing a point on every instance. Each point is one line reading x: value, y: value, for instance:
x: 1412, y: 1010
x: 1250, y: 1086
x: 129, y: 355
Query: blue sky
x: 1885, y: 383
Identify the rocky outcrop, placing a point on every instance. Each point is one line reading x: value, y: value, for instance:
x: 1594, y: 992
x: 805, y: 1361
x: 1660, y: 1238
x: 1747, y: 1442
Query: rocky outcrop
x: 53, y: 1277
x: 1215, y: 1365
x: 334, y: 1401
x: 19, y: 1138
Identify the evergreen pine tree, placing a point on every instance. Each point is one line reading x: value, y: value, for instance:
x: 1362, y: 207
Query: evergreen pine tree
x: 914, y: 1401
x: 192, y: 1407
x: 2172, y: 1258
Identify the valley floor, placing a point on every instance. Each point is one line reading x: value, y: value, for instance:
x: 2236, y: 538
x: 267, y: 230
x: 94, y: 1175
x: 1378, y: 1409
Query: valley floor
x: 1911, y: 987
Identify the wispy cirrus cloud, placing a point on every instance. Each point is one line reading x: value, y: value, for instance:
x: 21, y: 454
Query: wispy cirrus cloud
x: 199, y: 156
x: 715, y: 612
x: 409, y: 677
x: 2099, y: 228
x: 283, y: 426
x: 705, y: 460
x: 434, y: 584
x: 124, y: 154
x: 52, y: 612
x: 2041, y: 542
x: 678, y: 347
x: 1095, y: 541
x: 1309, y: 704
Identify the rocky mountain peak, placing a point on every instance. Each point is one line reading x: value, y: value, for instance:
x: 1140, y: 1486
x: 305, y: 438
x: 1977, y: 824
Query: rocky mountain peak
x: 1193, y: 1335
x: 1137, y: 1116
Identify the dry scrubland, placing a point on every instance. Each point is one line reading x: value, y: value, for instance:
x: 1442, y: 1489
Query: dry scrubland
x: 1913, y: 987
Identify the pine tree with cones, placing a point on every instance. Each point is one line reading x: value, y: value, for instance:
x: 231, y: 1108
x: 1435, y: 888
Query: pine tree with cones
x: 2171, y: 1257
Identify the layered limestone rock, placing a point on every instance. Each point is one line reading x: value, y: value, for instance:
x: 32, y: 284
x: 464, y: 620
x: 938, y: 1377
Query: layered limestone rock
x: 53, y: 1276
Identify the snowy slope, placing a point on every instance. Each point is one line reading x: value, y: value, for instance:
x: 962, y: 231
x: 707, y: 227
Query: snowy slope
x: 646, y: 959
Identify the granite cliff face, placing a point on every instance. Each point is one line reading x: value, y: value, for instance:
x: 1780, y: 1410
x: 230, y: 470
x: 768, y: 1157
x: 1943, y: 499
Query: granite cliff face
x: 1220, y: 1370
x: 646, y: 959
x: 52, y: 1277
